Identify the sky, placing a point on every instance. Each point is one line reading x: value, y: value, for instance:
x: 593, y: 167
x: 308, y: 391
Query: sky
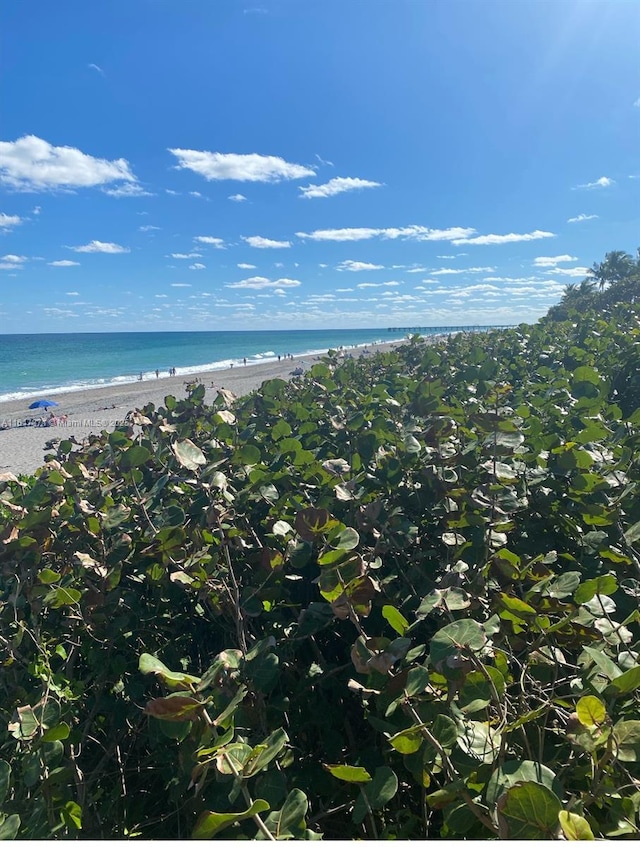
x: 302, y: 164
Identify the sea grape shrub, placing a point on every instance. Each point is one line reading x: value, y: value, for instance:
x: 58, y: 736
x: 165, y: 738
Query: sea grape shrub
x: 397, y: 598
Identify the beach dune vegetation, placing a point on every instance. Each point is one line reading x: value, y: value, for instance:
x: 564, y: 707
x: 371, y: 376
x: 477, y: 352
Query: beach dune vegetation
x: 395, y: 598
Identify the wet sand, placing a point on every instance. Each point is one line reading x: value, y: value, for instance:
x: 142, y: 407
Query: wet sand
x: 22, y: 448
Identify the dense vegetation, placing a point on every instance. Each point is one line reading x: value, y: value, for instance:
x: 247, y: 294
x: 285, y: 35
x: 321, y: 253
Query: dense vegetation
x: 615, y: 280
x: 397, y: 598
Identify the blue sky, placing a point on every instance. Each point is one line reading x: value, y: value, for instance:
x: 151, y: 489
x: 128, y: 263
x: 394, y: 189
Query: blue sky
x: 240, y: 164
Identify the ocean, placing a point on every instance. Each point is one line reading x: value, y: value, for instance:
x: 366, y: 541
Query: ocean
x: 48, y: 364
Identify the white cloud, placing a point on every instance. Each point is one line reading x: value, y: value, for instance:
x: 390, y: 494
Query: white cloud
x: 349, y: 265
x: 36, y: 210
x: 72, y: 294
x: 323, y: 161
x: 246, y: 267
x: 63, y: 263
x: 260, y: 282
x: 251, y: 167
x: 95, y: 67
x: 636, y: 103
x: 218, y: 243
x: 550, y: 261
x: 148, y: 228
x: 337, y: 185
x: 580, y: 218
x: 577, y: 272
x: 172, y: 192
x: 11, y: 257
x: 32, y: 164
x: 9, y: 221
x: 505, y: 239
x: 264, y: 243
x: 129, y: 189
x: 419, y: 269
x: 197, y: 266
x: 186, y: 255
x: 603, y: 182
x: 195, y: 194
x: 391, y: 284
x: 237, y: 198
x: 449, y: 271
x: 413, y: 233
x: 513, y: 279
x: 100, y: 247
x: 180, y: 285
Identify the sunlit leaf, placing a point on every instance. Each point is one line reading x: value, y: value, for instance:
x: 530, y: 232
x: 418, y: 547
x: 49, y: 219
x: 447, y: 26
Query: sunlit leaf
x: 188, y: 454
x: 211, y: 823
x: 349, y: 773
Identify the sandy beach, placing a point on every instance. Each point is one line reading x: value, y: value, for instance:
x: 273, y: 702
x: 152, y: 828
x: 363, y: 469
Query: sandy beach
x: 22, y: 448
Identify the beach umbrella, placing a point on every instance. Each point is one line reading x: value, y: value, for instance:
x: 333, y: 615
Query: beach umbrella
x: 42, y: 404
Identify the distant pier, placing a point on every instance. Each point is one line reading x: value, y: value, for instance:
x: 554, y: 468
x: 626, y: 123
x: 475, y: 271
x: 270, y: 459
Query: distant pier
x: 446, y: 330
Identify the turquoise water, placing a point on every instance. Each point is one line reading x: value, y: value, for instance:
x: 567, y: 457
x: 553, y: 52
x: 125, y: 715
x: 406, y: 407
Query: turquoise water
x: 49, y: 364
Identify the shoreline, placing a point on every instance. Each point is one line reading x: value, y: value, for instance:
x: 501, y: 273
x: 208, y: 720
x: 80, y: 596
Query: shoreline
x: 99, y: 408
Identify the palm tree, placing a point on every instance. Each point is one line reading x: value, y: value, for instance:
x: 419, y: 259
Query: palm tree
x: 617, y: 266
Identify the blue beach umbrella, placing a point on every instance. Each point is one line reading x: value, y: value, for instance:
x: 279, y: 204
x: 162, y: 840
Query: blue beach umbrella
x: 42, y: 404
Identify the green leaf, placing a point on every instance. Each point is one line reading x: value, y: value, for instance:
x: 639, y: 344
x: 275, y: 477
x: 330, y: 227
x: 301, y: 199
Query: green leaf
x: 632, y: 534
x: 445, y: 730
x: 395, y: 619
x: 235, y: 754
x: 60, y: 597
x: 348, y: 773
x: 627, y: 737
x: 603, y: 662
x: 516, y: 607
x: 57, y: 733
x: 72, y: 814
x: 226, y: 713
x: 9, y: 828
x: 407, y: 741
x: 289, y: 821
x: 188, y: 454
x: 47, y: 576
x: 26, y: 725
x: 600, y: 585
x: 348, y: 539
x: 134, y: 457
x: 281, y: 528
x: 585, y: 374
x: 380, y: 791
x: 174, y: 679
x: 248, y: 454
x: 563, y: 585
x: 528, y: 810
x: 417, y: 681
x: 591, y: 711
x: 625, y: 683
x: 263, y: 754
x: 5, y: 778
x: 480, y: 741
x: 210, y: 823
x: 575, y: 827
x: 455, y: 638
x: 478, y: 691
x: 515, y: 771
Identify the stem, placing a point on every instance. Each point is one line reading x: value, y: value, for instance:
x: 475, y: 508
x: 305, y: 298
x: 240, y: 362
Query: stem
x: 450, y: 770
x: 245, y: 791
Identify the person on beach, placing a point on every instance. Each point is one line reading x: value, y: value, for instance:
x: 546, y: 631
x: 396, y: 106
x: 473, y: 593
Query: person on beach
x: 157, y: 373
